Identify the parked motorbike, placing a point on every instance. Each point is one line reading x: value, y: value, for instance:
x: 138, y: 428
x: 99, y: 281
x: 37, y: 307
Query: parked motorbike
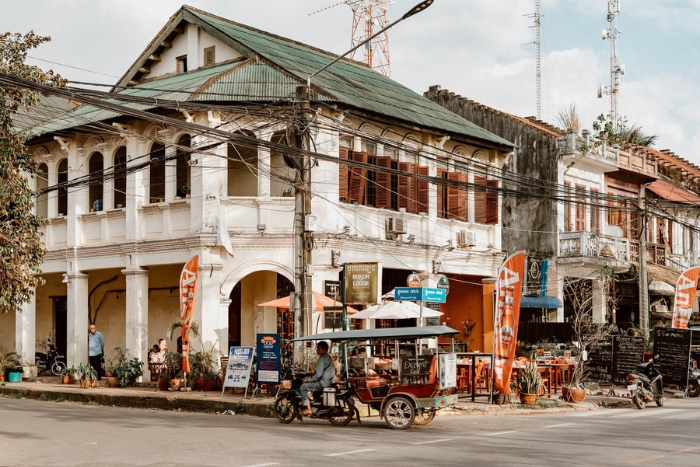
x: 646, y: 385
x: 50, y: 361
x: 334, y: 403
x: 693, y: 389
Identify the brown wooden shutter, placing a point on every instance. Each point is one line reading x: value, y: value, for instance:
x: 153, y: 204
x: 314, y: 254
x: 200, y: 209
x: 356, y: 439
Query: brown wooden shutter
x: 457, y: 197
x: 423, y: 189
x: 595, y: 211
x: 492, y: 203
x: 567, y: 207
x: 383, y: 183
x: 407, y: 187
x: 357, y: 182
x: 580, y: 208
x: 344, y: 154
x: 441, y: 189
x: 480, y: 206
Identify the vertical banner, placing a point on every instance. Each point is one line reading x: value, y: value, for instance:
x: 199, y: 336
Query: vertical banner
x: 509, y: 287
x: 685, y: 297
x: 269, y: 358
x: 188, y: 291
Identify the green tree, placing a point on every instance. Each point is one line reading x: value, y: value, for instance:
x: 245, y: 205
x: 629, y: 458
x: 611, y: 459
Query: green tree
x: 623, y: 134
x: 21, y: 250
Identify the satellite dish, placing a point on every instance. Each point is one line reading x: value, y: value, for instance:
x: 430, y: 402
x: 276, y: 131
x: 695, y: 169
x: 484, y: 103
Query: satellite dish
x: 600, y: 90
x: 605, y: 34
x: 622, y: 69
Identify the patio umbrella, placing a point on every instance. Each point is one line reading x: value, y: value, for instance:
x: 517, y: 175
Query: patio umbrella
x: 321, y: 302
x: 395, y: 310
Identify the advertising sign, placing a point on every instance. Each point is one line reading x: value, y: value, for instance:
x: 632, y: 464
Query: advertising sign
x: 188, y: 294
x: 685, y: 297
x: 331, y: 289
x: 413, y: 280
x: 361, y: 283
x: 240, y: 361
x: 269, y: 362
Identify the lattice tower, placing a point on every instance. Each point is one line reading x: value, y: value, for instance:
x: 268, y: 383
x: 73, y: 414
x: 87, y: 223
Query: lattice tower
x: 369, y: 16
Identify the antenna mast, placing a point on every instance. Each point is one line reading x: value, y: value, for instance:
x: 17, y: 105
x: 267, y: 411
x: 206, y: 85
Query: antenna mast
x: 538, y: 60
x: 616, y: 70
x: 368, y: 14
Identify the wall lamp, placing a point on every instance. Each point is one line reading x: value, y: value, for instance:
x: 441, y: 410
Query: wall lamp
x: 262, y: 228
x: 66, y: 279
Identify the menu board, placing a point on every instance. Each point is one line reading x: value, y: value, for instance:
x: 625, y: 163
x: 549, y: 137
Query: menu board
x: 673, y: 349
x: 599, y: 366
x: 628, y: 352
x: 416, y: 365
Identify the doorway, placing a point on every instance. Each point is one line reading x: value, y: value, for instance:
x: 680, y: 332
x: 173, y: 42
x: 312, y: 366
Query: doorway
x: 60, y: 316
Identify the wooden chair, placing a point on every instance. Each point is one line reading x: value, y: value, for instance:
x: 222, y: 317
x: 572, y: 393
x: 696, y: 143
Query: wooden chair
x: 546, y: 377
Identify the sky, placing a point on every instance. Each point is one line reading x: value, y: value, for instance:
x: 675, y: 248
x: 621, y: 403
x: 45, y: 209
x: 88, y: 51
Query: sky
x: 479, y: 49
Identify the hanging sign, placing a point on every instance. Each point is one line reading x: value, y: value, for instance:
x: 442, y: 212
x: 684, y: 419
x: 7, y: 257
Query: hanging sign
x: 240, y: 361
x: 413, y: 280
x: 268, y: 363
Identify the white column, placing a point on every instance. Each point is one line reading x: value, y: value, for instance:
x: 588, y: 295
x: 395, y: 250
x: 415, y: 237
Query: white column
x: 108, y: 189
x: 25, y: 336
x: 137, y: 315
x: 208, y: 306
x: 136, y: 188
x: 224, y: 304
x: 77, y: 197
x: 599, y: 305
x: 77, y: 327
x: 207, y: 172
x: 264, y: 169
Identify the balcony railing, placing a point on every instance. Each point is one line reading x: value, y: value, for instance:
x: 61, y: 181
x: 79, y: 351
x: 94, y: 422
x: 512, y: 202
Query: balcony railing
x: 656, y: 253
x: 591, y: 244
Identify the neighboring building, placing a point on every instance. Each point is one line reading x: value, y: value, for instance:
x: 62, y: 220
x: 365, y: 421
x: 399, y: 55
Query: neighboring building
x: 142, y: 197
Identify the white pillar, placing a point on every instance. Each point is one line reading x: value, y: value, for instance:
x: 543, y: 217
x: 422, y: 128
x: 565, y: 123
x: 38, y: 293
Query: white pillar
x: 599, y: 306
x: 224, y: 304
x: 25, y: 336
x: 77, y: 327
x: 208, y: 306
x: 136, y: 187
x: 137, y: 315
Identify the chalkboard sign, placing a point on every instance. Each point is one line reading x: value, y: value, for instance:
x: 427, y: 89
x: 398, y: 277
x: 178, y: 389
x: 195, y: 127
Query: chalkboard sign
x: 599, y: 366
x: 628, y: 352
x: 414, y: 366
x: 673, y: 349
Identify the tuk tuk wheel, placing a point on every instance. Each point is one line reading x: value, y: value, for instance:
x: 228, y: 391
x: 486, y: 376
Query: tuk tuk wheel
x: 399, y: 413
x: 423, y: 417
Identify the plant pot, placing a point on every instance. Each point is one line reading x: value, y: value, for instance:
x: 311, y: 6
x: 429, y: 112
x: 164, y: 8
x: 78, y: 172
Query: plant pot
x: 84, y: 383
x: 112, y: 381
x: 163, y: 384
x: 499, y: 399
x: 174, y: 384
x: 573, y: 394
x: 203, y: 384
x: 66, y: 379
x: 93, y: 383
x: 528, y: 399
x: 14, y: 376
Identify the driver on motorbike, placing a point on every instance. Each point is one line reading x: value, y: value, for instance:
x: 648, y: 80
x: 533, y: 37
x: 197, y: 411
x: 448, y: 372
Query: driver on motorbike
x: 321, y: 379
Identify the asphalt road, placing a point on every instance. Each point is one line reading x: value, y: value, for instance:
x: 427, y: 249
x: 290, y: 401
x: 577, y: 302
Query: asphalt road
x: 52, y: 434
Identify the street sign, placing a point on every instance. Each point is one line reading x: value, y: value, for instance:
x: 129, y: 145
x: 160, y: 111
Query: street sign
x: 420, y: 294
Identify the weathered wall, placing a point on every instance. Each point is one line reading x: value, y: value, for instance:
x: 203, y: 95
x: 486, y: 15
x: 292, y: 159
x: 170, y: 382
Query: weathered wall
x: 465, y: 301
x: 7, y: 332
x: 528, y: 223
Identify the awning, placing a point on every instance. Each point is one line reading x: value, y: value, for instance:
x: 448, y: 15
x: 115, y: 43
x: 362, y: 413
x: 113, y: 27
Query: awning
x: 661, y: 288
x: 671, y: 192
x: 540, y: 302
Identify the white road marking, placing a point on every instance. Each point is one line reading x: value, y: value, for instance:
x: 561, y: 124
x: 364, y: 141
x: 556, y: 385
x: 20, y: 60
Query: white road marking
x: 648, y: 413
x: 600, y: 412
x: 499, y: 433
x: 348, y: 452
x: 557, y: 426
x: 434, y: 441
x: 262, y: 465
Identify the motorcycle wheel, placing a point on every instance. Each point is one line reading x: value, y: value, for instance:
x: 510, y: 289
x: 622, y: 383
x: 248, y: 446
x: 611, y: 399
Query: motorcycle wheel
x: 285, y: 409
x: 341, y: 414
x: 693, y: 388
x: 399, y: 413
x: 660, y: 401
x: 423, y: 417
x: 57, y: 368
x: 638, y: 400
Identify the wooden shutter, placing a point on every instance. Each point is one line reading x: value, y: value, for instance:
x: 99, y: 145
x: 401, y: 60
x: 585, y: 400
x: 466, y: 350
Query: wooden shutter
x: 492, y: 203
x: 441, y: 189
x: 480, y: 205
x: 407, y: 187
x: 343, y: 193
x: 383, y: 183
x: 567, y: 207
x: 580, y: 208
x: 595, y: 211
x: 423, y: 189
x: 457, y: 197
x: 357, y: 182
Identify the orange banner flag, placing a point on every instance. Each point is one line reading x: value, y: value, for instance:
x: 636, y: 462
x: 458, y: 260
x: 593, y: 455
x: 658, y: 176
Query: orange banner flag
x: 685, y: 297
x: 188, y: 292
x: 509, y: 287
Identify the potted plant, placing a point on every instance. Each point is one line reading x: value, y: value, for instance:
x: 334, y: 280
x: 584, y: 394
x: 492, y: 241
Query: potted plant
x: 528, y: 383
x: 109, y: 366
x: 8, y: 360
x: 171, y: 376
x: 87, y: 374
x: 67, y: 375
x: 121, y: 366
x: 203, y: 362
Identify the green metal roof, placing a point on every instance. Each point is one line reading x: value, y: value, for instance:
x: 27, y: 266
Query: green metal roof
x: 384, y: 333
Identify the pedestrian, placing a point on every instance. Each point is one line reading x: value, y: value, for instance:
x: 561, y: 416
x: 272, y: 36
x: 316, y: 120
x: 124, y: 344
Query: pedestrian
x: 96, y: 349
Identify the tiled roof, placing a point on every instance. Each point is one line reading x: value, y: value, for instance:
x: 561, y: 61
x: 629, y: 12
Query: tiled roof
x: 671, y: 192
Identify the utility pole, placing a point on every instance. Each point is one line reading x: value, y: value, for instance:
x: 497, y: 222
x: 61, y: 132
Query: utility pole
x: 643, y: 284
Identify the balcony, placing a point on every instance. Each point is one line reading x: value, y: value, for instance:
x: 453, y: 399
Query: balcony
x: 593, y: 245
x: 656, y: 253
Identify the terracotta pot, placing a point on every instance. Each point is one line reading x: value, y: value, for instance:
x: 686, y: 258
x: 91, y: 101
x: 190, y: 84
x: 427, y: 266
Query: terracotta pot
x: 93, y: 383
x: 202, y: 384
x: 174, y: 383
x: 112, y: 381
x: 528, y: 399
x: 84, y: 383
x: 66, y: 379
x: 573, y: 394
x: 2, y: 377
x: 163, y: 384
x: 499, y: 399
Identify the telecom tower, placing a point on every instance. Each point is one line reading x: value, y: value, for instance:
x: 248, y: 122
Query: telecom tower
x: 368, y: 14
x: 616, y: 70
x: 537, y: 17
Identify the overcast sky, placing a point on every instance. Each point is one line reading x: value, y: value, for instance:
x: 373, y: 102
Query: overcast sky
x: 471, y: 47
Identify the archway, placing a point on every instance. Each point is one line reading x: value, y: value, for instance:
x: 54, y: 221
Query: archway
x: 95, y: 191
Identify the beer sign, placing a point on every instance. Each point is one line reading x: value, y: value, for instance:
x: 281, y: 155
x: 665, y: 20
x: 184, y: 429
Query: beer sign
x: 413, y: 280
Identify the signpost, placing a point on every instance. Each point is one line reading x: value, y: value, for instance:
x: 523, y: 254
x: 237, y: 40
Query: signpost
x: 362, y: 283
x: 240, y: 362
x: 420, y: 294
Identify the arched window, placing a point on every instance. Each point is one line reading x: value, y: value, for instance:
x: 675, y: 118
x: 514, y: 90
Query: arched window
x: 62, y: 193
x: 281, y: 175
x: 242, y: 169
x: 157, y: 185
x: 120, y: 178
x: 182, y: 177
x: 96, y: 186
x: 42, y: 182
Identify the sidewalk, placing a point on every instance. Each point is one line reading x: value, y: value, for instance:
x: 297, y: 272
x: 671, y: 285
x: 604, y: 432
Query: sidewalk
x: 146, y: 397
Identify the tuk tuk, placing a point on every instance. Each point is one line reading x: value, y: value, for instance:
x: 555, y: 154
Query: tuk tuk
x: 403, y: 380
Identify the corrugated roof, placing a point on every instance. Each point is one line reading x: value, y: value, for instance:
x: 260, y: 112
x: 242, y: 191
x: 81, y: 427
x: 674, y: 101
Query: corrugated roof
x: 540, y: 302
x: 671, y: 192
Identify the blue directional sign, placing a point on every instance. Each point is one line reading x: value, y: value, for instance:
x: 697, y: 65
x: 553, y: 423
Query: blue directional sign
x: 420, y: 294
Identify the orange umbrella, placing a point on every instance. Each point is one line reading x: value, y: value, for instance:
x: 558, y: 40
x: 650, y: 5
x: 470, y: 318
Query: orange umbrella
x: 321, y: 302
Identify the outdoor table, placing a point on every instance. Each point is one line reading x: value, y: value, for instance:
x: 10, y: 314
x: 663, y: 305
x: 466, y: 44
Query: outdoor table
x: 472, y: 366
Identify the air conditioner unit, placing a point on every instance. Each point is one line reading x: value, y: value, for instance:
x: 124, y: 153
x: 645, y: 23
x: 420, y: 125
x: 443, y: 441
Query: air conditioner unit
x: 466, y: 239
x: 395, y: 225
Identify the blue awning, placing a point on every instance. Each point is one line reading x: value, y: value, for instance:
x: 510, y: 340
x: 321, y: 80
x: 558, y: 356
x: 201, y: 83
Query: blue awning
x: 540, y: 302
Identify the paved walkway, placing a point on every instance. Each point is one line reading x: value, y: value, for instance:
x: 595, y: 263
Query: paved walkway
x: 49, y: 389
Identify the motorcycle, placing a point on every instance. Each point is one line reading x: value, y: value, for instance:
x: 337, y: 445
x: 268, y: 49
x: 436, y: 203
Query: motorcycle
x: 693, y: 389
x: 646, y: 385
x: 50, y: 361
x: 334, y: 403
